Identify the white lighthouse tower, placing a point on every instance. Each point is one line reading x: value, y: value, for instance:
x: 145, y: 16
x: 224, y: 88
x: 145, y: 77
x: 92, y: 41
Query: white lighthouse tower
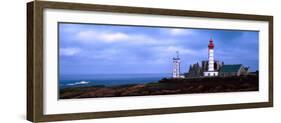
x: 176, y: 66
x: 211, y: 71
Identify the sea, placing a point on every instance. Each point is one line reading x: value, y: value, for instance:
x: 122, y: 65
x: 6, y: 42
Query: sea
x: 109, y: 79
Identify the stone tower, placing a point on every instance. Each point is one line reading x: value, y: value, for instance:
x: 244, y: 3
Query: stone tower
x: 211, y: 71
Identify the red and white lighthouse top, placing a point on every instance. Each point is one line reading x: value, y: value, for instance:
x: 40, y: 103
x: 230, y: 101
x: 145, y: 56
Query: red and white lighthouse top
x: 211, y: 44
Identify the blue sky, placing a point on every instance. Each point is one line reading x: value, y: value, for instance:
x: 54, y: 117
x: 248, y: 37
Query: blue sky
x: 100, y: 49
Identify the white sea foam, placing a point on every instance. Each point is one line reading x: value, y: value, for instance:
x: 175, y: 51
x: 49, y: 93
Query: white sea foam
x: 79, y: 83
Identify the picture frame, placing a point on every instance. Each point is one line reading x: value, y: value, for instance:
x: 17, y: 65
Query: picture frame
x: 36, y: 60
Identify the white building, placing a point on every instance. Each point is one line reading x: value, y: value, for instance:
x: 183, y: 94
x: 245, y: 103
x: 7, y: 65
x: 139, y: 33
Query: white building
x: 211, y: 71
x: 176, y: 66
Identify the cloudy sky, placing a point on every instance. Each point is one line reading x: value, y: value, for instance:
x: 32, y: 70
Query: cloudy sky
x: 93, y: 49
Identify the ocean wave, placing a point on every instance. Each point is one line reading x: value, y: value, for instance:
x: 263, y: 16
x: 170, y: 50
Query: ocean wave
x: 79, y: 83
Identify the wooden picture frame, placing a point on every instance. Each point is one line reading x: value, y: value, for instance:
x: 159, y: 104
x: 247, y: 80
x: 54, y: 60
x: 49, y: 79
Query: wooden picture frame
x: 35, y: 60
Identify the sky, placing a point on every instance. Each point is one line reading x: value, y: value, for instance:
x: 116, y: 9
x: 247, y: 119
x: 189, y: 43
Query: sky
x: 116, y: 49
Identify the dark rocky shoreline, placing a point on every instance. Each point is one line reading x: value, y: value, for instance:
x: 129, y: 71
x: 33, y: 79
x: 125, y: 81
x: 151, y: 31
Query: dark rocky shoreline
x: 165, y: 87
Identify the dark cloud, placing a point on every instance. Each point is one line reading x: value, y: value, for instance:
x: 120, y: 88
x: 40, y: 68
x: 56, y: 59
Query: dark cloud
x: 129, y: 49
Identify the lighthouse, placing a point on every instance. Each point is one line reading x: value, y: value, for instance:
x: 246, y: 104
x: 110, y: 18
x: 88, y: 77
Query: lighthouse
x: 211, y: 71
x: 176, y: 66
